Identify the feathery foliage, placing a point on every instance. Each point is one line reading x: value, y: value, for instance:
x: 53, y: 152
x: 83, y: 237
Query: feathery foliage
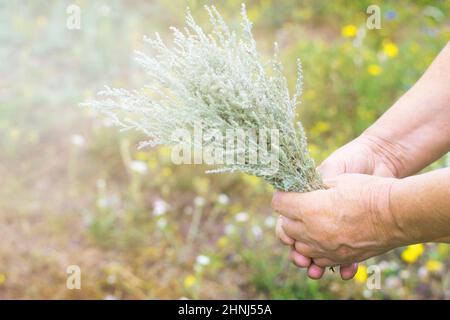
x: 217, y: 81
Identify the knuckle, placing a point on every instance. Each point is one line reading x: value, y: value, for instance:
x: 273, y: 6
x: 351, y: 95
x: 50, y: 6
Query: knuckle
x: 344, y: 253
x: 276, y: 200
x: 285, y: 240
x: 304, y: 249
x: 319, y: 262
x: 279, y: 234
x: 322, y: 262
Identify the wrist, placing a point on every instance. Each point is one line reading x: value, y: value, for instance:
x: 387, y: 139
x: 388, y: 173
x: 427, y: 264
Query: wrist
x: 420, y: 205
x: 388, y: 224
x: 385, y: 150
x: 406, y: 210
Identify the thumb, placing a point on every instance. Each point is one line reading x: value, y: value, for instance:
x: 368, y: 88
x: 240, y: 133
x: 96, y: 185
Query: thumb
x: 330, y: 169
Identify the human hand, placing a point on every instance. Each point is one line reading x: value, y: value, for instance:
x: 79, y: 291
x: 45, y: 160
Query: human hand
x: 351, y: 221
x: 366, y: 154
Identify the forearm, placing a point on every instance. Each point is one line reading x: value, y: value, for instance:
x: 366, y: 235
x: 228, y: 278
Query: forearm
x: 415, y: 131
x: 420, y: 207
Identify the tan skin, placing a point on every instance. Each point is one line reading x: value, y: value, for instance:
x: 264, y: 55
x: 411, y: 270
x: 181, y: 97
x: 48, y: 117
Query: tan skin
x: 373, y: 204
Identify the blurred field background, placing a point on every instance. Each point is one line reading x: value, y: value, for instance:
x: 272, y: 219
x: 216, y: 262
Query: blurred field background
x: 75, y: 191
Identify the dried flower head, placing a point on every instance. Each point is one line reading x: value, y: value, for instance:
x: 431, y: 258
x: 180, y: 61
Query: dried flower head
x: 217, y: 81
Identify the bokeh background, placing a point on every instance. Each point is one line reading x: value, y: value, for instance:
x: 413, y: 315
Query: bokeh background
x: 75, y: 191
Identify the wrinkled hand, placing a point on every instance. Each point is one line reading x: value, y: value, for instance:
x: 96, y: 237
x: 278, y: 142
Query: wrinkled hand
x: 348, y: 222
x: 365, y: 154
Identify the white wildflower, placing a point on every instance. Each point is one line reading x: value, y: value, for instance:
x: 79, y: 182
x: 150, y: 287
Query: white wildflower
x: 160, y: 207
x: 138, y: 166
x: 384, y: 265
x: 404, y: 274
x: 108, y: 201
x: 102, y: 202
x: 393, y: 282
x: 257, y: 231
x: 367, y: 293
x: 203, y: 260
x: 199, y: 201
x: 423, y: 273
x: 101, y: 184
x: 394, y: 265
x: 217, y: 81
x: 241, y: 217
x: 230, y: 229
x: 270, y: 222
x: 161, y: 223
x: 77, y: 140
x: 223, y: 199
x: 111, y: 279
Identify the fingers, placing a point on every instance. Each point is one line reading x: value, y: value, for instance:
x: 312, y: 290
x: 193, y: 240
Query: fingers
x: 315, y: 272
x: 284, y: 238
x: 293, y: 205
x: 287, y: 203
x: 348, y: 271
x: 306, y: 250
x: 292, y: 228
x: 298, y: 259
x: 300, y: 256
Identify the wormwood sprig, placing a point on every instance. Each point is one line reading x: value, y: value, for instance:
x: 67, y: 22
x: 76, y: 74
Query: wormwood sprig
x: 218, y: 81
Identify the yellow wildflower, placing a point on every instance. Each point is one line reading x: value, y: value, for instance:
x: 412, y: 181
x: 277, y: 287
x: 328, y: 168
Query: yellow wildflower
x: 321, y: 127
x: 142, y: 156
x: 361, y: 274
x: 252, y: 180
x: 222, y: 242
x: 390, y: 49
x: 417, y: 248
x: 349, y: 31
x: 2, y: 279
x: 152, y: 163
x: 253, y: 13
x: 310, y: 94
x: 189, y: 281
x: 374, y: 70
x: 165, y: 152
x: 408, y: 256
x: 433, y: 265
x: 412, y: 253
x: 166, y: 172
x: 201, y: 185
